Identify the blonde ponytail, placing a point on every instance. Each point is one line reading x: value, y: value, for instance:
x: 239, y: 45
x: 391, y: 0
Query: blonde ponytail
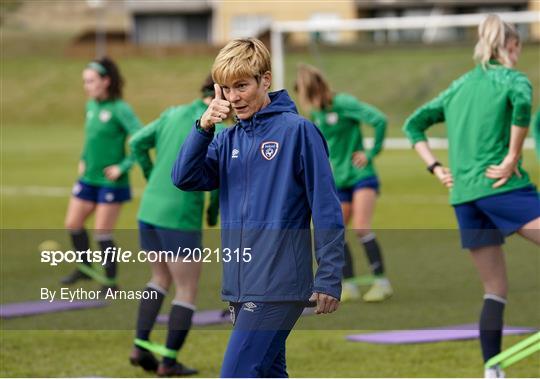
x: 493, y: 35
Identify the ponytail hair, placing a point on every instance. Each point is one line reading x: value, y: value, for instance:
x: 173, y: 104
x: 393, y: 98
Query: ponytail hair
x: 313, y: 88
x: 493, y: 35
x: 106, y: 67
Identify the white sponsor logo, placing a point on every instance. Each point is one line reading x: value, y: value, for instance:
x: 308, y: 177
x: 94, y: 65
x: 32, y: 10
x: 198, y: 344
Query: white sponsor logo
x: 250, y: 307
x: 235, y: 153
x: 109, y: 196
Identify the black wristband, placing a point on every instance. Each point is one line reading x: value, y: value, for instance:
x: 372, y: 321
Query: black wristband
x: 432, y: 166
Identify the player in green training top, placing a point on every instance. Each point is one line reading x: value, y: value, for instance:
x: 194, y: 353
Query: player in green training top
x: 103, y: 183
x: 339, y: 117
x: 169, y: 220
x: 487, y: 112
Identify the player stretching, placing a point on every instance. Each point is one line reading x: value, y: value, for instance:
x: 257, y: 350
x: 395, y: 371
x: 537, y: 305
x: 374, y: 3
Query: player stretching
x: 487, y: 113
x: 169, y: 219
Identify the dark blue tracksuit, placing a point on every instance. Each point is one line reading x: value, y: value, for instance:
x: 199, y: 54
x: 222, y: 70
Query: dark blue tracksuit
x: 274, y: 179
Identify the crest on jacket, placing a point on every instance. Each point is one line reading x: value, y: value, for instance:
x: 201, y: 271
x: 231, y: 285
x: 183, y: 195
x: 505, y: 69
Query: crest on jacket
x: 269, y: 150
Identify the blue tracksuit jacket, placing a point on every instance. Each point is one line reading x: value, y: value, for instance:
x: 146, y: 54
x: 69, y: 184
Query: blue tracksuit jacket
x: 274, y: 179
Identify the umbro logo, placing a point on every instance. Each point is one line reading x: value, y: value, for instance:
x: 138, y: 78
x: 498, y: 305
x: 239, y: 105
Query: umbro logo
x: 250, y: 307
x: 235, y: 153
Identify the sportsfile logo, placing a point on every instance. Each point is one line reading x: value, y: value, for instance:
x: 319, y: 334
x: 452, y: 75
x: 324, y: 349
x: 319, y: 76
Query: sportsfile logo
x: 235, y: 153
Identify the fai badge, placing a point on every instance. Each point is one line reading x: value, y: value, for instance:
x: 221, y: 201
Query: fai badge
x: 104, y: 116
x: 332, y: 118
x: 269, y: 150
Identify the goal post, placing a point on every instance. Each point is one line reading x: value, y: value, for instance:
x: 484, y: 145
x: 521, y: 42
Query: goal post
x: 432, y: 22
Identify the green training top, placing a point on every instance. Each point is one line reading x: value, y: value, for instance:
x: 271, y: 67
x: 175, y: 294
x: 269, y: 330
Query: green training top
x: 340, y: 126
x: 479, y: 109
x: 108, y: 124
x: 162, y: 203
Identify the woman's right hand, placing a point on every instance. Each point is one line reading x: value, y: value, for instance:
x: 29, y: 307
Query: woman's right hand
x: 81, y: 168
x: 217, y: 111
x: 444, y: 175
x: 359, y: 159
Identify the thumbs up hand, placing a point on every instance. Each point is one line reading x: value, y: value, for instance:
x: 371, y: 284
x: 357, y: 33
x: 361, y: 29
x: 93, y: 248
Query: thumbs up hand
x: 217, y: 111
x: 217, y: 91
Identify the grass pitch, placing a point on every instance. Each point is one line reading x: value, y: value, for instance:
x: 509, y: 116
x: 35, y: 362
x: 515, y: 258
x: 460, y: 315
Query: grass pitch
x: 435, y: 283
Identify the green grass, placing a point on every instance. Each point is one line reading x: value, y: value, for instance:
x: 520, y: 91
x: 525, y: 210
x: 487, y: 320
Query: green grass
x: 436, y: 285
x: 45, y: 87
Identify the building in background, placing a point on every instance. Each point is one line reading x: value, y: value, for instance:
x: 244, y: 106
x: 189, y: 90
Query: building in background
x: 434, y: 8
x: 170, y: 23
x: 216, y: 22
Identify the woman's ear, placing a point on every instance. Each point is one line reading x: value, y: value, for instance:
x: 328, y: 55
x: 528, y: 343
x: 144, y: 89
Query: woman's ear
x: 107, y: 82
x: 267, y: 79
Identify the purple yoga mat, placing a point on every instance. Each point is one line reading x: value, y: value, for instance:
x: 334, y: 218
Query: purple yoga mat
x: 215, y: 317
x: 449, y: 333
x: 30, y: 308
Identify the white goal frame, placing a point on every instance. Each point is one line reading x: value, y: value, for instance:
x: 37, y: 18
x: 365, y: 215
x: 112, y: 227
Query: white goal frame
x: 429, y: 23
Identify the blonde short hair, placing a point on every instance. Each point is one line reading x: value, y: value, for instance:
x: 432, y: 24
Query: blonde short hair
x: 241, y: 58
x: 493, y: 35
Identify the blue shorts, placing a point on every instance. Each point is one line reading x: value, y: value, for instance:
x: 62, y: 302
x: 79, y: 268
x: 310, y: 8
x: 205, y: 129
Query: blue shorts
x: 256, y: 348
x: 179, y: 242
x: 486, y: 221
x: 100, y: 194
x: 345, y: 195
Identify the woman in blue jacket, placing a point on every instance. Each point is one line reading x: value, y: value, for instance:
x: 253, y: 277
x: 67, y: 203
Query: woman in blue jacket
x: 274, y: 177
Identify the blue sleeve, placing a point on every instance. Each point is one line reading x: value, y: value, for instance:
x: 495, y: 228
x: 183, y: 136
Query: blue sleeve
x: 197, y: 166
x: 325, y: 212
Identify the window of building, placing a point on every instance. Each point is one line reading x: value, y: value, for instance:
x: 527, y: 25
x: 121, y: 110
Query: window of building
x: 249, y: 25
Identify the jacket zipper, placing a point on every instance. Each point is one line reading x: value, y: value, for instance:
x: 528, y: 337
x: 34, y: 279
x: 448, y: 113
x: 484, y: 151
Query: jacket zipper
x: 244, y: 203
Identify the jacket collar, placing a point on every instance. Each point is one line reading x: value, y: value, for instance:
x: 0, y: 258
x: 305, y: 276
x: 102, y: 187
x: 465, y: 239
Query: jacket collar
x: 280, y: 102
